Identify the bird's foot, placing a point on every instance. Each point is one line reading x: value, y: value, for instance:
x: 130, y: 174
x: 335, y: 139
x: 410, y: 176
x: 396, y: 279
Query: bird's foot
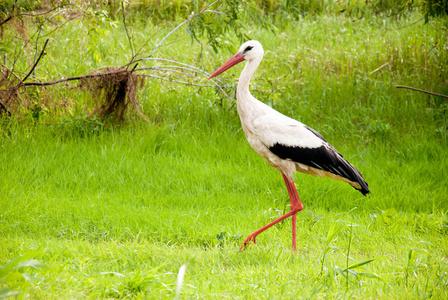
x: 247, y: 241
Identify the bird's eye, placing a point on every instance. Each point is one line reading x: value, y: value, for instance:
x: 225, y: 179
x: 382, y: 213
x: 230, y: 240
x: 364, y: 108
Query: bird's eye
x: 248, y: 48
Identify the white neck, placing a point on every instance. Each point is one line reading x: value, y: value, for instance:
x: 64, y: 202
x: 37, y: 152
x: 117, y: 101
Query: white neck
x: 248, y: 107
x: 242, y: 91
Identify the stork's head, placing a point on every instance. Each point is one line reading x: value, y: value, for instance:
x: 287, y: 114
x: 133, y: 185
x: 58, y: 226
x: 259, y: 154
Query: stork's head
x: 251, y: 50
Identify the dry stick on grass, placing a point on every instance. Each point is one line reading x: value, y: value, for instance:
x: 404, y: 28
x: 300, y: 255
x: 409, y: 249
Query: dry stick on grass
x: 379, y: 68
x: 419, y: 90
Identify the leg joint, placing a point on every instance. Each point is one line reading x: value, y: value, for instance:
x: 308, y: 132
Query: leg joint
x: 298, y: 207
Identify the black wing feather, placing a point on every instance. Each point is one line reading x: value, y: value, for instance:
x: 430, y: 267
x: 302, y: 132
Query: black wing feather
x: 324, y: 158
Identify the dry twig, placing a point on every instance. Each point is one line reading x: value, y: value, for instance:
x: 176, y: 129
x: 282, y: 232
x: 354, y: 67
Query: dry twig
x: 5, y: 20
x: 419, y: 90
x: 379, y: 68
x: 37, y: 61
x: 73, y: 78
x: 126, y: 29
x: 176, y: 28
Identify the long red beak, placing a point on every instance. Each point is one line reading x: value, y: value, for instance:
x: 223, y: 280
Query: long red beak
x: 236, y: 59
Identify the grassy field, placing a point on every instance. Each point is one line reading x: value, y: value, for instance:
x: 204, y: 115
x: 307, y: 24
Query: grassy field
x: 94, y: 210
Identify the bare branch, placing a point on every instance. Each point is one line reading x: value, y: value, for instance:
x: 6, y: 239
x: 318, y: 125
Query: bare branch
x: 127, y: 31
x: 174, y: 80
x: 141, y: 48
x: 180, y: 25
x: 193, y: 68
x: 63, y: 24
x: 170, y: 67
x: 133, y: 69
x: 71, y: 78
x: 411, y: 23
x: 419, y: 90
x: 61, y: 5
x: 4, y: 108
x: 6, y: 20
x: 165, y: 68
x: 37, y: 61
x: 11, y: 72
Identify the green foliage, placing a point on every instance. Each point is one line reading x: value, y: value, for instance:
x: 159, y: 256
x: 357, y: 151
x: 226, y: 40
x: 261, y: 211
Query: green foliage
x: 79, y: 126
x: 229, y: 16
x: 434, y: 8
x: 13, y: 278
x: 134, y: 285
x: 331, y: 236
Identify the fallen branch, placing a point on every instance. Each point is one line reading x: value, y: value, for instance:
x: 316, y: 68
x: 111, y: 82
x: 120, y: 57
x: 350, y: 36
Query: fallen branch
x: 72, y: 78
x: 188, y: 67
x: 419, y: 90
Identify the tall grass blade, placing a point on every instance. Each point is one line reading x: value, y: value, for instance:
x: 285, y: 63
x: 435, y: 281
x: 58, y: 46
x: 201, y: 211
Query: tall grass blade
x: 357, y: 265
x: 180, y: 280
x: 332, y: 232
x: 340, y: 272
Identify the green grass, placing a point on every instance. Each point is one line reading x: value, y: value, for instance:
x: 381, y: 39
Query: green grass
x: 140, y: 203
x: 115, y: 211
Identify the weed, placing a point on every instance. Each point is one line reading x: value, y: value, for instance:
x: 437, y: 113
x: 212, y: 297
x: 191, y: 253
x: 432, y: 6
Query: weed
x: 14, y: 278
x: 79, y: 126
x: 332, y: 233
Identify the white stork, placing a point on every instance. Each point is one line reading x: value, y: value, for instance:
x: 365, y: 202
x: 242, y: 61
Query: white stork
x: 286, y: 144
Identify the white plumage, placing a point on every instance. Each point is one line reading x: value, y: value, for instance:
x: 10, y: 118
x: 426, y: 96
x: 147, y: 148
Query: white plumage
x: 286, y: 144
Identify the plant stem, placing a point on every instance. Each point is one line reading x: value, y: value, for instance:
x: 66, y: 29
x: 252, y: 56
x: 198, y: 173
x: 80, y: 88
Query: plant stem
x: 126, y: 29
x: 348, y: 253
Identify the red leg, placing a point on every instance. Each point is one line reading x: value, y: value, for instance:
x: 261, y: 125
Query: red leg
x: 296, y: 206
x: 294, y: 221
